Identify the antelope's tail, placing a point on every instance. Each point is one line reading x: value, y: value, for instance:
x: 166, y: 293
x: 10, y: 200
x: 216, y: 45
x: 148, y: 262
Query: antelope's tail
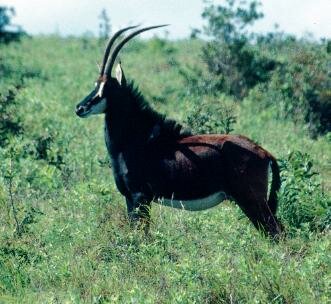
x: 275, y: 185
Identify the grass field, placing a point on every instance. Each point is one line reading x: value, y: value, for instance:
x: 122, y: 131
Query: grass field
x: 75, y: 244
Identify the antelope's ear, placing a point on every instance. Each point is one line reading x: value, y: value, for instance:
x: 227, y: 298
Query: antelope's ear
x: 120, y: 75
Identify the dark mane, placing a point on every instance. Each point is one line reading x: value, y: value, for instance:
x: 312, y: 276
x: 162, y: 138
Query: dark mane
x: 135, y: 95
x: 161, y: 126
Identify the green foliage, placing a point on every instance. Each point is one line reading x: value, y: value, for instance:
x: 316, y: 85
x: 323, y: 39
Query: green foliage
x: 237, y: 66
x: 104, y: 25
x: 303, y: 203
x: 44, y: 149
x: 6, y: 36
x: 213, y: 116
x: 6, y: 13
x: 10, y: 122
x: 14, y: 164
x: 300, y: 89
x: 229, y: 57
x: 228, y: 22
x: 162, y: 46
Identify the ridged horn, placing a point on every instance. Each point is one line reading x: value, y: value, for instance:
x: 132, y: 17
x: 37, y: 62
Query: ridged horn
x: 110, y: 44
x: 114, y: 54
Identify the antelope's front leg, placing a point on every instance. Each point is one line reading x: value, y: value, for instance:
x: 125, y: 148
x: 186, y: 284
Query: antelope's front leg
x: 138, y: 206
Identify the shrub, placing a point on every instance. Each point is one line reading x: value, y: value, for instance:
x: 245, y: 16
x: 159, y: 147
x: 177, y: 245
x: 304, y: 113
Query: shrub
x: 10, y: 122
x: 198, y: 82
x: 237, y: 66
x: 300, y: 90
x: 11, y: 167
x: 229, y: 57
x: 303, y: 203
x: 46, y: 150
x: 211, y: 117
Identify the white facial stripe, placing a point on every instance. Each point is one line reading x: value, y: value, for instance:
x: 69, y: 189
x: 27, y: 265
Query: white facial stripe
x: 100, y: 91
x: 99, y: 108
x: 197, y: 204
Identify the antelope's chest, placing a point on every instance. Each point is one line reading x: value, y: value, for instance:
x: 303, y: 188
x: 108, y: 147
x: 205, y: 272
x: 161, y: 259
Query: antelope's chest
x: 128, y: 174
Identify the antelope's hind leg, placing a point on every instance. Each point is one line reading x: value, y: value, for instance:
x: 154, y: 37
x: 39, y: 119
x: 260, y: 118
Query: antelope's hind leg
x: 253, y: 201
x: 261, y: 216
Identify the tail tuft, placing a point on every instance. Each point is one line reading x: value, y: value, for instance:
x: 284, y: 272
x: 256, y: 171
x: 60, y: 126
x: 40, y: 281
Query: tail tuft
x: 275, y: 186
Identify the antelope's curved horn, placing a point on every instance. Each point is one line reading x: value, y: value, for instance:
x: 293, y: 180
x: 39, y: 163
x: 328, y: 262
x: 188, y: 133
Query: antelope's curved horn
x: 109, y: 45
x: 114, y: 54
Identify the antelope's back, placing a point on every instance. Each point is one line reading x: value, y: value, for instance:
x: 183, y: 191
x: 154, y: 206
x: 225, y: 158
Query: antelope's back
x: 225, y: 142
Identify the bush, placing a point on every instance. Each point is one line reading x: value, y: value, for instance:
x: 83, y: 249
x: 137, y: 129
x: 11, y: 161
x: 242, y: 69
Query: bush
x: 211, y: 117
x: 300, y: 90
x: 46, y: 150
x: 303, y: 203
x: 11, y: 168
x: 237, y: 66
x: 229, y: 56
x: 234, y: 66
x: 10, y: 122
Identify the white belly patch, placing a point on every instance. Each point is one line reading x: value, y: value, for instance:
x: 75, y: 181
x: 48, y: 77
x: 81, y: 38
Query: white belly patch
x: 196, y: 204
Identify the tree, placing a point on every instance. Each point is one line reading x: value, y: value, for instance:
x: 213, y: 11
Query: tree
x: 7, y: 34
x: 104, y: 25
x: 228, y: 22
x: 231, y: 60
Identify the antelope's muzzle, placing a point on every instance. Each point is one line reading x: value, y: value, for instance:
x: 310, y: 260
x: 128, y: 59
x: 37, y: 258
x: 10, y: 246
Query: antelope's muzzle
x: 80, y: 110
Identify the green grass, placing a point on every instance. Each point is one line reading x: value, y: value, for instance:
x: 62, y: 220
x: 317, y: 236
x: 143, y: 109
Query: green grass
x: 79, y: 248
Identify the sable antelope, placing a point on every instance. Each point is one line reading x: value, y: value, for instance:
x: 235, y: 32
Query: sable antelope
x: 154, y: 159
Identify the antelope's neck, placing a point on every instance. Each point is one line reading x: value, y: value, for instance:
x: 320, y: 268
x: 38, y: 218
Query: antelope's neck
x: 107, y: 137
x: 128, y: 133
